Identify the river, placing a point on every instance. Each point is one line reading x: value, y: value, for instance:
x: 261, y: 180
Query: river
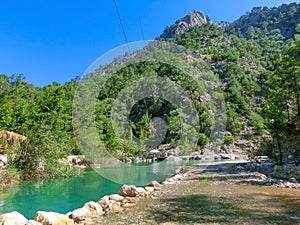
x: 66, y: 194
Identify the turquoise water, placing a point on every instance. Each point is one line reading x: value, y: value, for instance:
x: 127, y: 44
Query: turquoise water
x: 64, y: 195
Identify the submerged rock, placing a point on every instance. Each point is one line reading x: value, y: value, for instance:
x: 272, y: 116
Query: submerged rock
x: 13, y: 218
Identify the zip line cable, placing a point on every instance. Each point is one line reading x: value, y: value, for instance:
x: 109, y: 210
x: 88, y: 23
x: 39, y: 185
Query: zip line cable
x: 121, y: 23
x: 140, y: 19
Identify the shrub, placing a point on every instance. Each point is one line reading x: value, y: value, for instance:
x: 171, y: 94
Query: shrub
x: 228, y: 140
x: 203, y: 140
x: 257, y: 122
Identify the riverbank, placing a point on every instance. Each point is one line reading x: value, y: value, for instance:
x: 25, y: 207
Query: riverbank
x: 217, y: 192
x: 214, y: 193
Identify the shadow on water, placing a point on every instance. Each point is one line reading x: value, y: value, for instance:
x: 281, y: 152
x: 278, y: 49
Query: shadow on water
x: 200, y: 208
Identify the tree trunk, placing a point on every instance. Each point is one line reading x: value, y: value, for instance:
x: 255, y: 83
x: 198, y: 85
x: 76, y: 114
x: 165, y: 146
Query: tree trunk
x: 280, y: 153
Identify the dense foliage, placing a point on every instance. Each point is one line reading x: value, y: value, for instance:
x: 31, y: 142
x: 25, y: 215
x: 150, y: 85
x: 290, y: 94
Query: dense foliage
x: 256, y: 58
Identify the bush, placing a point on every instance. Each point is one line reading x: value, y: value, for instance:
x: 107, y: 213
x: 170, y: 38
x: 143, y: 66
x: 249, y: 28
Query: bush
x: 257, y: 122
x: 203, y: 140
x: 228, y: 140
x: 38, y: 156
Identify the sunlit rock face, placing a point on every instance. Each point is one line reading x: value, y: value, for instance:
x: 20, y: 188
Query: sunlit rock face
x: 194, y: 18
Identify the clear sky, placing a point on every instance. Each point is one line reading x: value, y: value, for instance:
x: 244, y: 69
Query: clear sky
x: 56, y: 40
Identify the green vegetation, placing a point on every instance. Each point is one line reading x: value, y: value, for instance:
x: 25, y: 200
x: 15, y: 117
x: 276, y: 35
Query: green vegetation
x: 256, y: 59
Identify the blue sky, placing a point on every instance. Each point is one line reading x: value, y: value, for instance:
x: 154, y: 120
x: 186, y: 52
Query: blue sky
x: 52, y: 40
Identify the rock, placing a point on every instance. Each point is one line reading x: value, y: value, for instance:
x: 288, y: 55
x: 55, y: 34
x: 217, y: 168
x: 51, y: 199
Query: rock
x: 128, y: 205
x: 130, y: 200
x: 116, y: 197
x: 174, y: 159
x: 52, y: 218
x: 149, y: 189
x: 293, y: 180
x: 94, y: 207
x: 115, y: 207
x: 195, y: 18
x: 128, y: 191
x: 141, y: 191
x: 155, y: 185
x: 8, y: 138
x: 104, y: 202
x: 75, y: 160
x: 177, y: 177
x: 81, y: 214
x: 32, y: 222
x: 4, y: 159
x: 13, y: 218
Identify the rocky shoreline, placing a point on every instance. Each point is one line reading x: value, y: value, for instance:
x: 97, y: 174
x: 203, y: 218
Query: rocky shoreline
x: 228, y: 173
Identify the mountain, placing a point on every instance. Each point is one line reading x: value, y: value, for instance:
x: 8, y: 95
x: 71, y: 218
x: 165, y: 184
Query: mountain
x: 193, y: 19
x: 285, y: 18
x: 254, y: 58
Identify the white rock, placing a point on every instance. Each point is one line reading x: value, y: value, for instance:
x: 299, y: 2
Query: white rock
x: 128, y: 191
x: 32, y: 222
x: 94, y: 206
x: 13, y: 218
x: 115, y: 207
x: 81, y: 214
x: 141, y: 191
x: 4, y: 159
x: 149, y: 189
x: 116, y: 197
x: 52, y: 218
x: 155, y: 185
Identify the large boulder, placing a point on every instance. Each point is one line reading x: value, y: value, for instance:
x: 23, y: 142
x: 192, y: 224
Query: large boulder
x: 52, y: 218
x: 128, y: 191
x: 13, y: 218
x: 115, y: 207
x: 94, y: 207
x: 104, y: 202
x: 116, y: 197
x: 79, y: 215
x: 10, y: 139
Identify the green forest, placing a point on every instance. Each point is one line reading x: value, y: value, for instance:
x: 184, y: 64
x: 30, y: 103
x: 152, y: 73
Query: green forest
x: 256, y: 58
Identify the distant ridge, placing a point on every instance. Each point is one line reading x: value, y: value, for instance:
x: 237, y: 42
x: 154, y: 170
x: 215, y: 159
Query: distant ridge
x: 284, y: 18
x: 194, y: 18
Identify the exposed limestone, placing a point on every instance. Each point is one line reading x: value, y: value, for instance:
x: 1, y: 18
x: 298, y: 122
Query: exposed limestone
x: 194, y: 18
x: 128, y: 191
x: 13, y: 218
x: 116, y: 197
x: 155, y: 185
x: 10, y: 139
x: 32, y: 222
x: 79, y: 215
x: 94, y: 207
x: 52, y: 218
x: 115, y: 207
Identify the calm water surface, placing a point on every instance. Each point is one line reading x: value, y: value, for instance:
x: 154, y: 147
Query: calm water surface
x: 64, y: 195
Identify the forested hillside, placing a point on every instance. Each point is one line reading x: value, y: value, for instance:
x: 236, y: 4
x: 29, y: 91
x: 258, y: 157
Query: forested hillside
x: 256, y: 58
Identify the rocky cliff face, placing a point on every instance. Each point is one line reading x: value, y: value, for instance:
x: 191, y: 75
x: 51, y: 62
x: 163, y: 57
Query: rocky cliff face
x: 194, y: 18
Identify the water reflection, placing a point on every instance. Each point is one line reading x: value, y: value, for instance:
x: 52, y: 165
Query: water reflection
x: 63, y: 195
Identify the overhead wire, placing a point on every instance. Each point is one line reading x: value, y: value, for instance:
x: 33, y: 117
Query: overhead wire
x: 122, y: 26
x: 140, y: 19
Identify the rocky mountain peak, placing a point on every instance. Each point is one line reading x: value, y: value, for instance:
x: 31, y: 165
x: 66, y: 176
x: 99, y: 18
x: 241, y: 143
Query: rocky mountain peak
x: 194, y: 18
